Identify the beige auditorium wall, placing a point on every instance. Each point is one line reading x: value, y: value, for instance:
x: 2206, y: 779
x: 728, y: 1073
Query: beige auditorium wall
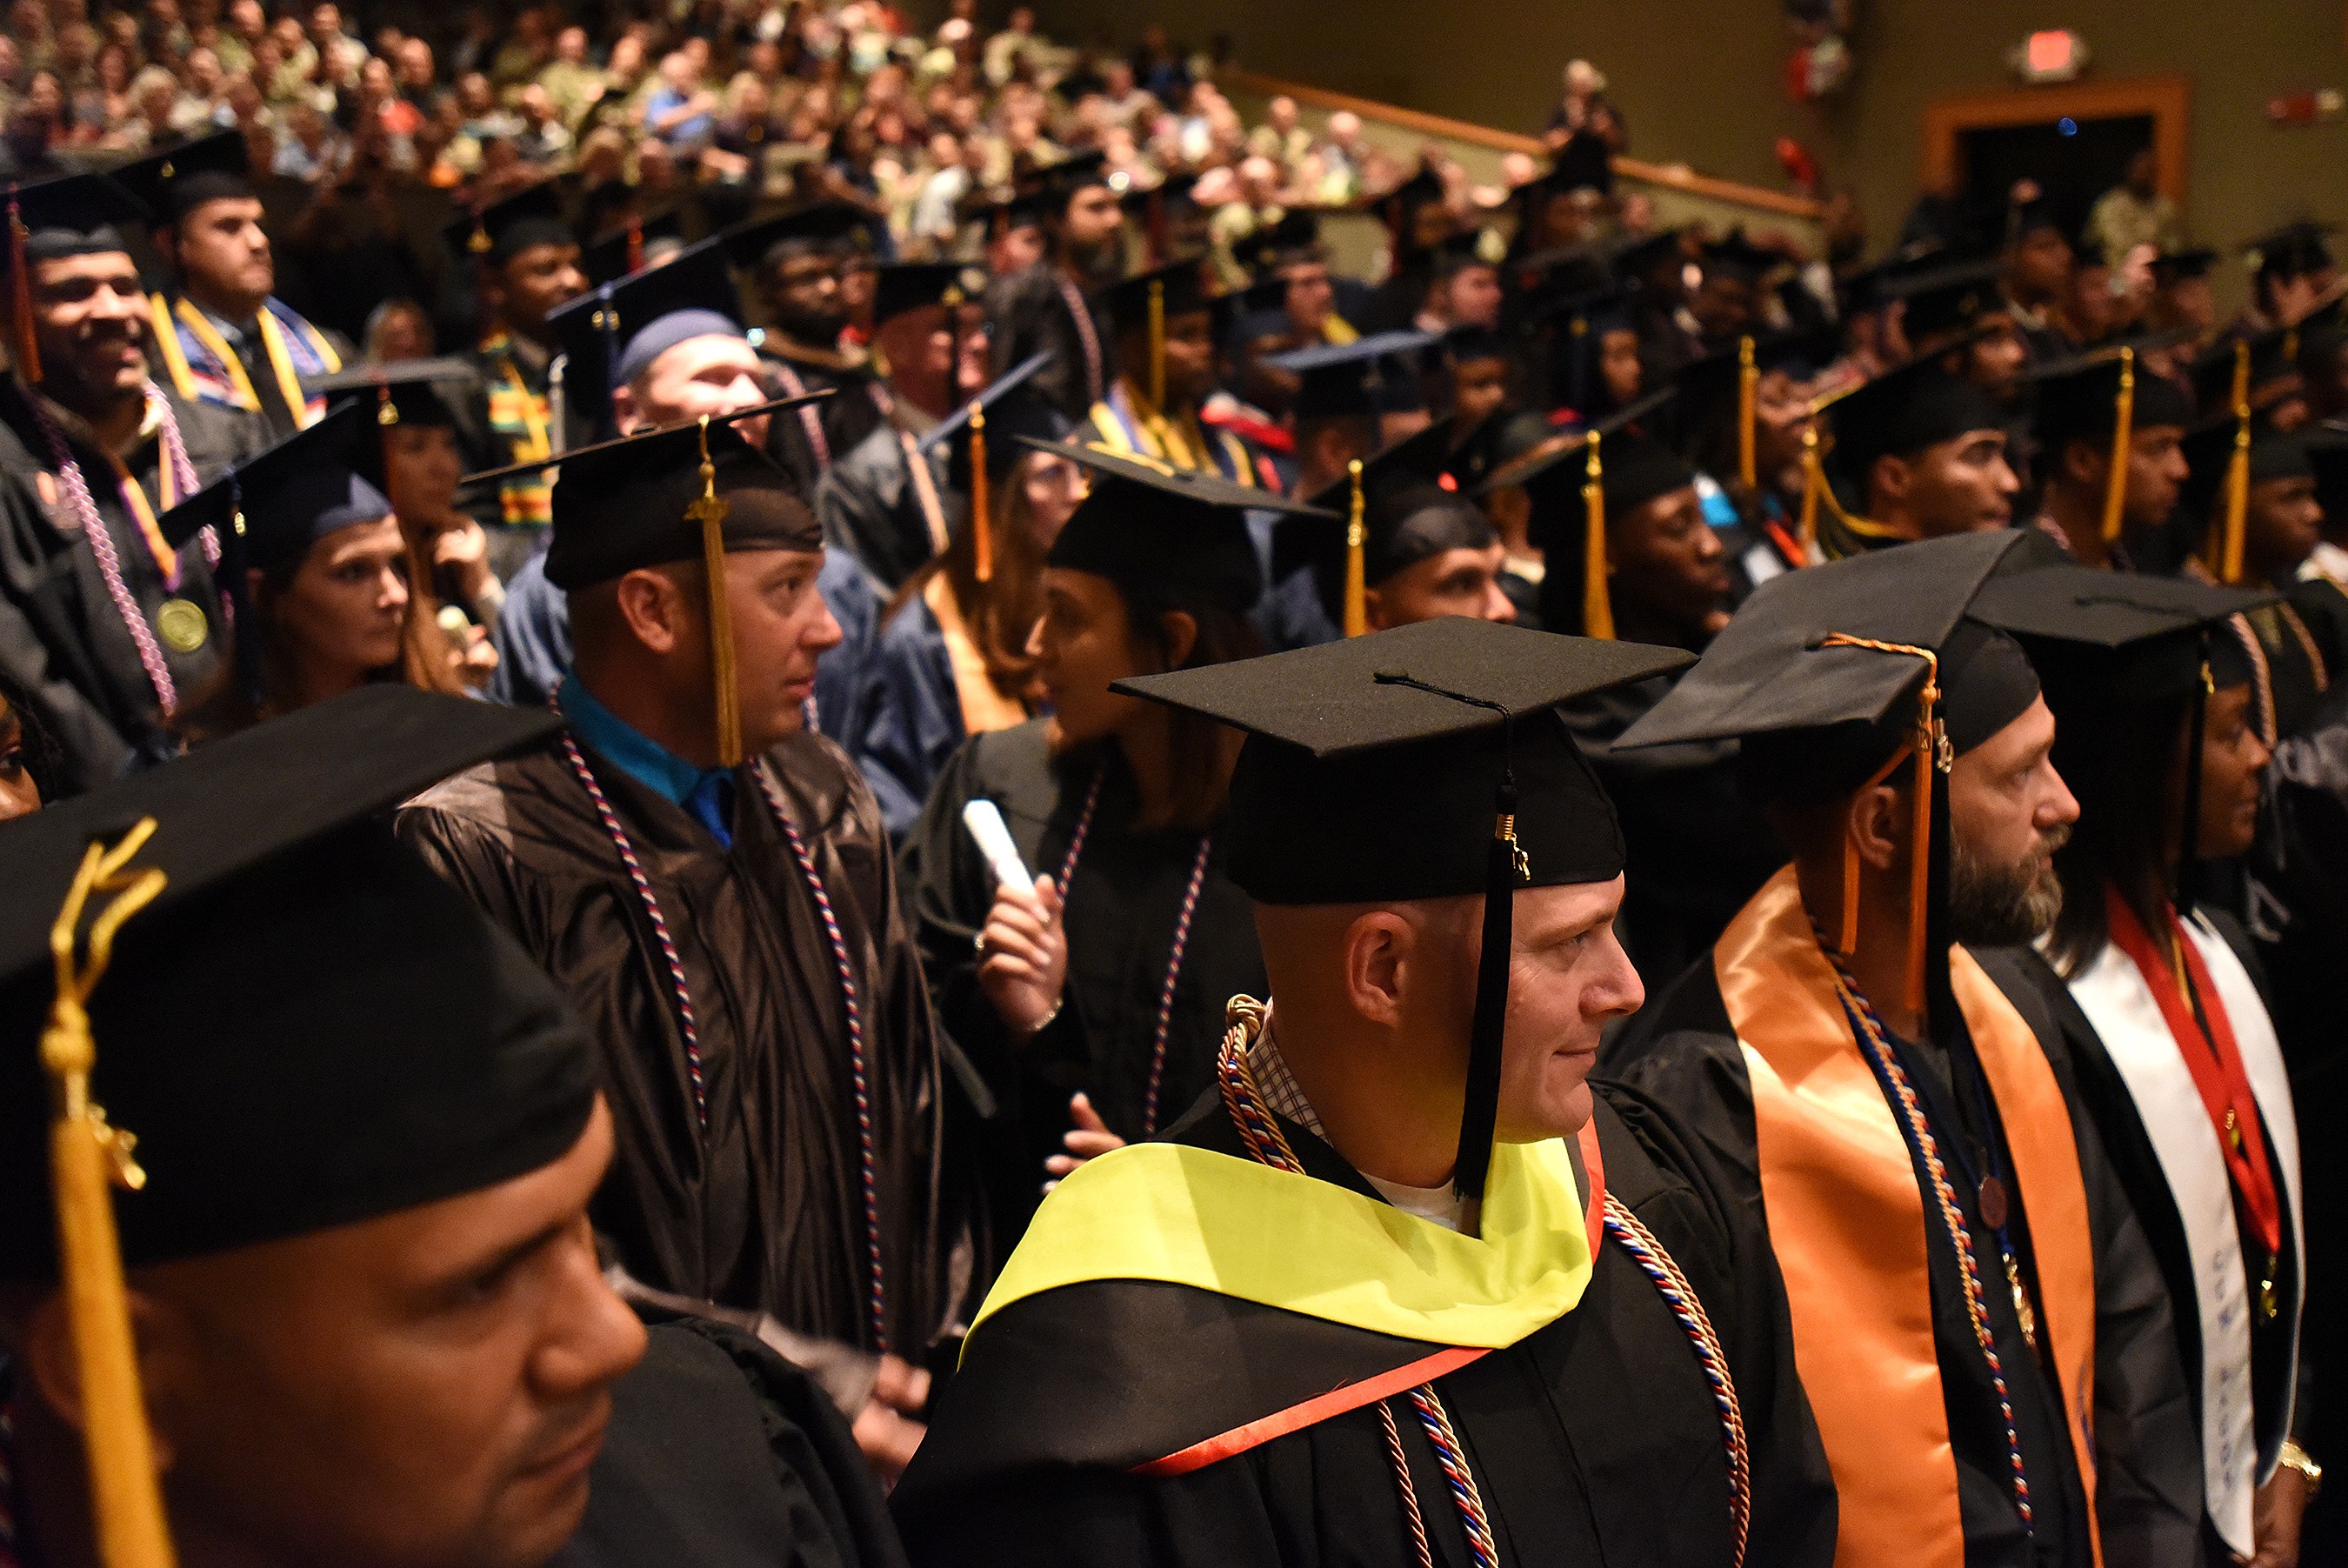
x: 1700, y: 81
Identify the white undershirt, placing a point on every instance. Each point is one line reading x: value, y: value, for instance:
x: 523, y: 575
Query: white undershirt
x: 1436, y: 1205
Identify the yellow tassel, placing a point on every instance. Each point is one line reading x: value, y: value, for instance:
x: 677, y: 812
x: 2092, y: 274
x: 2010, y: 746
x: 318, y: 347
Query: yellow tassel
x: 1748, y: 405
x: 1156, y: 343
x: 1597, y: 604
x: 2225, y: 557
x: 2123, y: 432
x: 981, y: 520
x: 1357, y: 534
x: 27, y: 342
x: 1813, y: 479
x: 709, y: 509
x: 89, y: 1158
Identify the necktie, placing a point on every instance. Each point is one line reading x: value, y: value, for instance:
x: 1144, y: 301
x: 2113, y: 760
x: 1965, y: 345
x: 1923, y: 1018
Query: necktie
x: 712, y: 805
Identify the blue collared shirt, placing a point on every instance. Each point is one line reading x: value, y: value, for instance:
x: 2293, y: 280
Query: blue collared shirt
x: 707, y: 792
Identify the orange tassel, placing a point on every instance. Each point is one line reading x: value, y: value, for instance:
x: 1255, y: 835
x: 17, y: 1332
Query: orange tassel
x: 982, y: 519
x: 1749, y: 408
x: 1597, y: 603
x: 28, y: 343
x: 1357, y: 587
x: 1813, y: 477
x: 1929, y: 752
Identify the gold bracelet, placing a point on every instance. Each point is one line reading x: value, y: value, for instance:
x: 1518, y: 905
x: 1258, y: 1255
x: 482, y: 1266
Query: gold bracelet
x: 2292, y: 1457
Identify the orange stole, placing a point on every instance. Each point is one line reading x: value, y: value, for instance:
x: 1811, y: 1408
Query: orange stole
x: 1846, y: 1220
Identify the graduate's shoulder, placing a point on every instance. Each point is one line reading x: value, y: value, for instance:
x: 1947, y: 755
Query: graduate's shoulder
x: 1013, y: 767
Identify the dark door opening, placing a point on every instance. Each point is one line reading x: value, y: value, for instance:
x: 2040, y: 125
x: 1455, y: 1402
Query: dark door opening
x: 2073, y: 169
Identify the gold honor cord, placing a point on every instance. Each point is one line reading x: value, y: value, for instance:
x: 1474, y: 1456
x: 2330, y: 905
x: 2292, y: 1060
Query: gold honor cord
x: 2123, y: 432
x: 1357, y: 584
x: 981, y: 519
x: 709, y: 509
x: 87, y: 1160
x: 1749, y: 408
x: 1597, y: 604
x: 1932, y: 753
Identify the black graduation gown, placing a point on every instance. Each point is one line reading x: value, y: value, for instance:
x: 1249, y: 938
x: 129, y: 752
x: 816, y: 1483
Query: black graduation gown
x: 720, y: 1452
x: 1594, y: 1439
x: 61, y: 636
x: 2138, y: 1168
x: 762, y: 1209
x: 1028, y: 312
x: 844, y: 418
x: 1694, y: 849
x: 1121, y: 913
x: 871, y: 506
x: 1684, y: 1051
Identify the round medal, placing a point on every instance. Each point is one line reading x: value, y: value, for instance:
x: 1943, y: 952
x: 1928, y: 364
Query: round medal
x: 182, y: 626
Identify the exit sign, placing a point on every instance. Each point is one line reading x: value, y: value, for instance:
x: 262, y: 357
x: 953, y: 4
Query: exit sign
x: 2057, y: 55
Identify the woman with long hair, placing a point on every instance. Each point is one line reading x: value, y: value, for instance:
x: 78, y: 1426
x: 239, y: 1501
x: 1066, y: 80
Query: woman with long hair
x: 1087, y: 984
x: 2155, y: 694
x: 324, y: 605
x: 952, y: 658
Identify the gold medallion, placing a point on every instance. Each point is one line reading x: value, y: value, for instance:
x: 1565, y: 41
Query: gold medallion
x: 182, y: 626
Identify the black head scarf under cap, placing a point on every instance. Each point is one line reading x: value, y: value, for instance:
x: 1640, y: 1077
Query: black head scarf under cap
x: 307, y: 1028
x: 625, y: 505
x: 1163, y: 532
x: 174, y: 182
x: 1424, y: 762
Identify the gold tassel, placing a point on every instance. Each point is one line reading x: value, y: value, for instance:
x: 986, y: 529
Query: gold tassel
x: 28, y: 343
x: 709, y: 509
x: 2123, y: 432
x: 981, y: 520
x: 1748, y: 400
x: 1156, y: 343
x: 1813, y: 479
x: 386, y: 419
x: 1597, y: 604
x: 89, y: 1158
x: 2225, y: 552
x: 1357, y: 534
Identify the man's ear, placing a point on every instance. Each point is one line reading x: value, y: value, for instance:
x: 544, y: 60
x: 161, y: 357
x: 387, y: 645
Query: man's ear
x: 1891, y: 479
x: 2083, y: 464
x: 1374, y: 609
x: 1377, y: 946
x: 161, y: 1342
x: 1877, y: 822
x: 1179, y: 631
x: 652, y: 604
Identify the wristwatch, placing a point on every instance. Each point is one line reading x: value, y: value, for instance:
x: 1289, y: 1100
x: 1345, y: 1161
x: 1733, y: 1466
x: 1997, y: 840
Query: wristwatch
x: 2293, y: 1457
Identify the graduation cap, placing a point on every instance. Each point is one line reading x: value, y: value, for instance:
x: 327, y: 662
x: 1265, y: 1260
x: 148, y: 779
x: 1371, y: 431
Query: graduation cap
x: 1056, y: 184
x: 1399, y: 208
x: 1147, y: 301
x: 75, y: 215
x: 689, y: 491
x: 504, y: 230
x: 2104, y: 397
x: 1900, y: 413
x: 1579, y: 478
x: 610, y: 334
x: 984, y: 438
x: 2292, y: 251
x: 1347, y: 380
x: 913, y: 285
x: 1833, y: 676
x: 1469, y: 247
x: 1150, y: 206
x: 2231, y: 453
x: 1581, y: 321
x: 1870, y: 288
x: 389, y: 1048
x: 2172, y: 267
x: 2327, y: 456
x: 1392, y: 510
x: 172, y: 183
x: 1726, y: 384
x: 2111, y: 649
x: 2260, y: 366
x: 1295, y: 238
x: 1424, y: 762
x: 763, y: 244
x: 1948, y: 299
x: 1635, y: 260
x: 1740, y: 259
x: 1152, y: 528
x: 397, y: 392
x: 631, y: 247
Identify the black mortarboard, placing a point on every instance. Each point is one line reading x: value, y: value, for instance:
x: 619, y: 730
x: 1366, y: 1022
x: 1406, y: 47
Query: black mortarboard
x: 388, y: 1047
x: 1579, y: 481
x: 1059, y: 183
x: 1342, y: 380
x: 1399, y: 208
x: 173, y: 183
x: 2177, y: 267
x: 1901, y: 412
x: 414, y: 392
x: 823, y: 229
x: 1164, y: 532
x: 910, y: 285
x: 1870, y: 288
x: 996, y: 423
x: 1469, y: 247
x: 2272, y: 361
x: 631, y: 247
x: 628, y: 504
x: 1642, y: 256
x: 610, y: 334
x: 1463, y: 344
x: 2104, y: 397
x: 1178, y: 288
x: 2327, y: 456
x: 1296, y: 237
x: 1739, y: 258
x: 1821, y: 674
x: 2292, y: 251
x: 1410, y: 509
x: 1581, y: 321
x: 1424, y: 762
x: 504, y: 230
x: 289, y: 496
x: 1721, y: 391
x: 75, y: 215
x: 1948, y: 299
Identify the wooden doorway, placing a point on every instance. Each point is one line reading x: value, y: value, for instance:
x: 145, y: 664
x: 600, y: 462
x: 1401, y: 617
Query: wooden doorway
x: 2076, y: 139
